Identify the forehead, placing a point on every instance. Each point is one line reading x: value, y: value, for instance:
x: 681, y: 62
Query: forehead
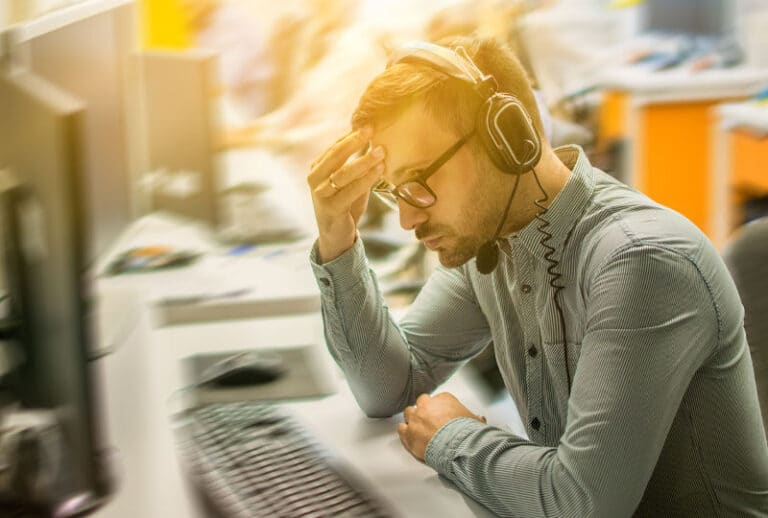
x: 412, y: 140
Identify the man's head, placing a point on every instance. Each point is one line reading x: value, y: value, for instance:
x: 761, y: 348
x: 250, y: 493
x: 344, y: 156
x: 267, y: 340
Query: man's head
x: 419, y: 114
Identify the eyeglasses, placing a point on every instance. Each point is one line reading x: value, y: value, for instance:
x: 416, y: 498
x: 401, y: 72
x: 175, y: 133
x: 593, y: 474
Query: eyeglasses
x: 415, y: 191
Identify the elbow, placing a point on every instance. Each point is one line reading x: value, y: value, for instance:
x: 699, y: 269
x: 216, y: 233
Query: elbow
x: 376, y: 413
x: 376, y: 409
x: 584, y: 496
x: 374, y: 406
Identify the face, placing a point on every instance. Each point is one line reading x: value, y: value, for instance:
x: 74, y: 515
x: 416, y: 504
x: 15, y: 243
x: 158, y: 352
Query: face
x: 466, y: 209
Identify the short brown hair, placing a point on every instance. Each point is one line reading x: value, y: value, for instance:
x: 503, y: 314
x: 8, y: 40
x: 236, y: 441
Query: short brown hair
x: 450, y: 101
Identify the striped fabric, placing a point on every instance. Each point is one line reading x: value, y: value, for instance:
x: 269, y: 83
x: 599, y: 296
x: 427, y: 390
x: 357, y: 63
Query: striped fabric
x: 662, y: 418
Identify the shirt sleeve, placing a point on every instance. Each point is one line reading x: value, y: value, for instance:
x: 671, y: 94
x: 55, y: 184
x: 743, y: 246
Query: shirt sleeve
x: 387, y: 366
x: 651, y: 324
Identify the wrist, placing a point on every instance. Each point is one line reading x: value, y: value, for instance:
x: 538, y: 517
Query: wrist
x: 328, y: 250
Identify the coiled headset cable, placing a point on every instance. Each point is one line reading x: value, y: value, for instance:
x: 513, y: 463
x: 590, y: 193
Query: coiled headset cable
x: 554, y: 275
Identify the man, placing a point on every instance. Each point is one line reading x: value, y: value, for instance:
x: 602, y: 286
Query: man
x: 616, y: 326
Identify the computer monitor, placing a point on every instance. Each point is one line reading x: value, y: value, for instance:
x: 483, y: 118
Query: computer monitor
x: 179, y: 117
x: 42, y: 143
x: 86, y: 49
x: 702, y: 18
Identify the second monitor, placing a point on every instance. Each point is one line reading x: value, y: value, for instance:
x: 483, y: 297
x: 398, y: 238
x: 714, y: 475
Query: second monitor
x: 180, y: 173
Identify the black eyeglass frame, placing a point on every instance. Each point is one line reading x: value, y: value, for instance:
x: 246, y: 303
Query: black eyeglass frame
x: 383, y: 188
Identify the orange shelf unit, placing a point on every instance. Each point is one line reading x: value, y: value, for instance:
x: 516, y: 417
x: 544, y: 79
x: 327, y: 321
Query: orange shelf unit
x: 748, y: 174
x: 613, y: 116
x: 673, y: 165
x: 749, y: 161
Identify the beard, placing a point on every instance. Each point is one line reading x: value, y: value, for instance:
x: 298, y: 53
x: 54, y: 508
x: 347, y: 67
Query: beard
x: 477, y: 221
x: 459, y: 254
x: 460, y: 244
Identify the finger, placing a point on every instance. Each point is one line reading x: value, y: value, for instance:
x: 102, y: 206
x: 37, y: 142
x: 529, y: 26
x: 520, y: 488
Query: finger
x: 344, y: 198
x: 350, y: 172
x: 408, y: 413
x: 337, y: 154
x: 483, y: 419
x: 357, y: 167
x: 422, y: 399
x: 402, y: 430
x: 330, y: 149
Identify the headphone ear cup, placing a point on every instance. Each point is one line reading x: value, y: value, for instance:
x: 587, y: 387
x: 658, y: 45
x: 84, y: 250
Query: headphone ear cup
x: 489, y: 141
x: 508, y: 134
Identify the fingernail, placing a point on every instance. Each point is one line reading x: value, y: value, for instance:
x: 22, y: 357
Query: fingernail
x: 378, y: 152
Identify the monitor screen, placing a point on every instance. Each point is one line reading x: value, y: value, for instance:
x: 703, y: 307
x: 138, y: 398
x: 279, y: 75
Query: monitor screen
x: 87, y: 50
x: 709, y: 18
x: 42, y: 139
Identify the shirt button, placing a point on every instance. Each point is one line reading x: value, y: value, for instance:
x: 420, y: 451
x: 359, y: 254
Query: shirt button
x: 535, y: 423
x: 325, y: 282
x: 532, y: 351
x: 525, y: 288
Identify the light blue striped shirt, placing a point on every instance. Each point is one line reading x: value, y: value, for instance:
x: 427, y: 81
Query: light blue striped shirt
x: 663, y: 417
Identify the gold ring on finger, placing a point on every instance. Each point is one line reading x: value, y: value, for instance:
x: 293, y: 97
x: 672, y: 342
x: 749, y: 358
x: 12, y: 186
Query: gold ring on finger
x: 333, y: 184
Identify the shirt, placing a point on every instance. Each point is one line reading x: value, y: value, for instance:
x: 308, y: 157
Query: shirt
x: 662, y: 418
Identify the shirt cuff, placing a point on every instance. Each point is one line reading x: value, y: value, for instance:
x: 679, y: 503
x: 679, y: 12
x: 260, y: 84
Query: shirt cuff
x: 344, y: 272
x: 442, y: 448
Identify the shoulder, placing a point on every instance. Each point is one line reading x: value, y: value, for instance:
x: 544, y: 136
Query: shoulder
x: 620, y: 220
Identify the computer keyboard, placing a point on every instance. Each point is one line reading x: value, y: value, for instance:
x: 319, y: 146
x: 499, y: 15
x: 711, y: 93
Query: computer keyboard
x: 254, y: 460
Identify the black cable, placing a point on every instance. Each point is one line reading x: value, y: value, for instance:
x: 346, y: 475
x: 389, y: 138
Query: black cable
x: 488, y: 254
x: 554, y: 275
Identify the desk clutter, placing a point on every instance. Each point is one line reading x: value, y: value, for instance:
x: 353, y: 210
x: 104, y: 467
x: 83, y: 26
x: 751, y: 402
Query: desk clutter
x: 252, y: 460
x: 150, y: 258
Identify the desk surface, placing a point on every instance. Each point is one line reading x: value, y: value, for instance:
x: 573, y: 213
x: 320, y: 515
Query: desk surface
x: 141, y: 381
x: 680, y: 84
x: 749, y: 115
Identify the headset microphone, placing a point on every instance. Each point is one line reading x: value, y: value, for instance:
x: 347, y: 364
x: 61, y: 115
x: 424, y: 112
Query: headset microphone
x: 488, y: 257
x: 488, y: 254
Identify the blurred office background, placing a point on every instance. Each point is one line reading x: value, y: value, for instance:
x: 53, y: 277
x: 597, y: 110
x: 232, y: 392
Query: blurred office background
x: 668, y: 96
x: 201, y: 118
x: 649, y: 88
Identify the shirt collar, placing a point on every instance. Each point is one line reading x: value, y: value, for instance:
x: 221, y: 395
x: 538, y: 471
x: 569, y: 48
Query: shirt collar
x: 564, y: 211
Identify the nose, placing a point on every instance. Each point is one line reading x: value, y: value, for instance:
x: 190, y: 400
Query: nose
x: 410, y: 216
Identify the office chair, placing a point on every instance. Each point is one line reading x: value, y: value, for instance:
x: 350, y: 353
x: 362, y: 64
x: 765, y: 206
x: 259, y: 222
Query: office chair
x: 747, y: 259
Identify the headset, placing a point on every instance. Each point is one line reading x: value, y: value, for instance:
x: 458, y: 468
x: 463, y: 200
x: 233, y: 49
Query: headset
x: 500, y: 115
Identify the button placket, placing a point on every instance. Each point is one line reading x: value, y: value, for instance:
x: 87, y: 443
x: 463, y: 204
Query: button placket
x: 526, y: 299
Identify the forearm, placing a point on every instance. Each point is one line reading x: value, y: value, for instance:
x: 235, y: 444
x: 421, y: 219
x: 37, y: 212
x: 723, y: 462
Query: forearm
x: 506, y: 473
x: 362, y: 337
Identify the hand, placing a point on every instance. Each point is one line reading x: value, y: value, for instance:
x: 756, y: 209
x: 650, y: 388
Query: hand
x: 340, y: 189
x: 426, y: 417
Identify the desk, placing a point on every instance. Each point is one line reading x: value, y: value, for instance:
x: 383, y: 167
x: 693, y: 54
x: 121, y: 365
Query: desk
x: 667, y: 118
x: 265, y: 281
x: 141, y: 379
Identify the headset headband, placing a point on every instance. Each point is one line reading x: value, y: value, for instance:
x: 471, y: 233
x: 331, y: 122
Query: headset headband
x: 454, y: 62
